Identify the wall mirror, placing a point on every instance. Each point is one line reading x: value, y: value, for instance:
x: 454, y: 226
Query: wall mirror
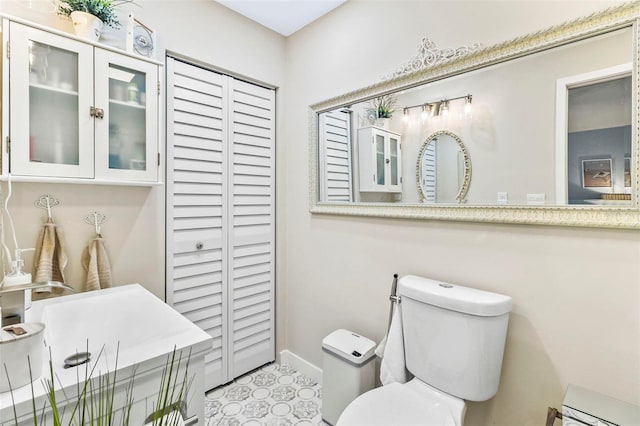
x: 443, y: 169
x: 549, y: 121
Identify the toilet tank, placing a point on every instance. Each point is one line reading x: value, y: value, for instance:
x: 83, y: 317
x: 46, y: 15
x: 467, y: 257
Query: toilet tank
x: 454, y: 336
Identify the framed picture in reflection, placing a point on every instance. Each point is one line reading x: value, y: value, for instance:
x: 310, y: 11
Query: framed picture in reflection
x: 596, y: 173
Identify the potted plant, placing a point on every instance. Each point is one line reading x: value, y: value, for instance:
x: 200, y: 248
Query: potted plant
x: 381, y: 108
x: 94, y: 404
x: 90, y: 16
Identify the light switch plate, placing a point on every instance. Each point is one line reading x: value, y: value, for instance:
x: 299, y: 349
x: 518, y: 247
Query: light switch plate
x: 536, y: 199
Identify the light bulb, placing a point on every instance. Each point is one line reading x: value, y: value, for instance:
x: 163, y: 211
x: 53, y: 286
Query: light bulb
x: 405, y: 117
x: 444, y: 108
x: 468, y: 108
x: 425, y: 112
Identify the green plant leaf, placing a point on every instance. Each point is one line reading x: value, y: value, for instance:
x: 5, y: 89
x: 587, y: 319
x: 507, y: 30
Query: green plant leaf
x: 102, y: 9
x: 93, y: 404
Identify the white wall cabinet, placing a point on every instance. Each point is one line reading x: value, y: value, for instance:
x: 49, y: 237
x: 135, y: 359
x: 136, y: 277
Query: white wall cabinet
x: 221, y: 214
x: 380, y: 160
x: 76, y: 110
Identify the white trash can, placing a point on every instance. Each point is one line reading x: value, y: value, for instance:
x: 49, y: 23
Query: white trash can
x: 348, y: 371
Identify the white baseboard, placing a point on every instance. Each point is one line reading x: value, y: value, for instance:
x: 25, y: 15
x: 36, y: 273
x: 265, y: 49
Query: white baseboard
x: 302, y: 365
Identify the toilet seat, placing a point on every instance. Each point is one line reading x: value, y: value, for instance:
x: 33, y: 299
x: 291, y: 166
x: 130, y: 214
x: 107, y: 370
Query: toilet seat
x: 411, y: 404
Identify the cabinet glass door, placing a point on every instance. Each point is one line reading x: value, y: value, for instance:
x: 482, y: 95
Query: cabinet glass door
x: 51, y: 127
x: 393, y: 163
x: 380, y: 159
x: 126, y: 139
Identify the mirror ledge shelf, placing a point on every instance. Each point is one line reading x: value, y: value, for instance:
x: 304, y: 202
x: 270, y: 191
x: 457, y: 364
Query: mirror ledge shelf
x: 617, y: 17
x: 592, y: 217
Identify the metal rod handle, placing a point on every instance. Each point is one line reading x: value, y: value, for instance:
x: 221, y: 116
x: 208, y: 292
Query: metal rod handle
x: 393, y: 298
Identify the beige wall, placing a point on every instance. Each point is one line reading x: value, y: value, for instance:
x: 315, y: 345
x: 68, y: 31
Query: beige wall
x: 576, y: 316
x: 134, y: 231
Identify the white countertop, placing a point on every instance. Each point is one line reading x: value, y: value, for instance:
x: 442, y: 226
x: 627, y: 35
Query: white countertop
x: 145, y: 328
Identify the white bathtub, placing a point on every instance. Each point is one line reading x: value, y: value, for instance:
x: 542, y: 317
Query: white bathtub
x: 147, y: 331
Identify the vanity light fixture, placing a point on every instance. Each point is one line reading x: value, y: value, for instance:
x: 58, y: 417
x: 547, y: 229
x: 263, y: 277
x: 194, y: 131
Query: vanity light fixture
x: 437, y: 108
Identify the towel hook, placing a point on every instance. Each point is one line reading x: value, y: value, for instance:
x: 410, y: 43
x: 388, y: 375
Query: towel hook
x: 47, y: 202
x: 96, y: 219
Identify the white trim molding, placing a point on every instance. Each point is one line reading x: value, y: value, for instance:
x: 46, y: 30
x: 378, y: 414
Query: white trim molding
x: 301, y: 365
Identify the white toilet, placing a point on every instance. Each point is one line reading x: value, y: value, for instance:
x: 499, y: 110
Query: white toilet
x: 453, y: 341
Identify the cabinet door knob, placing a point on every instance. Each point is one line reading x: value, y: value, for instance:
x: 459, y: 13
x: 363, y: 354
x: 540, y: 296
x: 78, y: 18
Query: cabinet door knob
x: 96, y: 112
x: 199, y: 246
x: 387, y: 161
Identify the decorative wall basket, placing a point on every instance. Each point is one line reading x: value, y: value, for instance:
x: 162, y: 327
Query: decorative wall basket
x: 86, y: 25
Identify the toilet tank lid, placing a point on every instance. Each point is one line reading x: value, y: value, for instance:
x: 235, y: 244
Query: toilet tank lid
x: 454, y: 297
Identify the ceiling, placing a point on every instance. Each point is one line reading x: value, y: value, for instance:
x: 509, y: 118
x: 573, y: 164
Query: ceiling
x: 283, y: 16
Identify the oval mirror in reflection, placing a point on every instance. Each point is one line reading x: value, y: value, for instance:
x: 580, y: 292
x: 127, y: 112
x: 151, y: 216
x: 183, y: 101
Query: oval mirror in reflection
x: 443, y: 169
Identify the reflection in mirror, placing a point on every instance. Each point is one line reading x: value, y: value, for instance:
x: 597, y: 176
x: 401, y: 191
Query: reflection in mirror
x: 334, y: 137
x: 597, y: 139
x: 511, y: 132
x: 443, y: 169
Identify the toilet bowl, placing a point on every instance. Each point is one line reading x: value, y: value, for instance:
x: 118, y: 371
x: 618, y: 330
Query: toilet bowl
x: 411, y: 404
x: 451, y: 339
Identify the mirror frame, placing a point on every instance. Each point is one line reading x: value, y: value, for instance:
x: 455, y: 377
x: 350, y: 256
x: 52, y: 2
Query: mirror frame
x: 466, y: 181
x: 627, y: 217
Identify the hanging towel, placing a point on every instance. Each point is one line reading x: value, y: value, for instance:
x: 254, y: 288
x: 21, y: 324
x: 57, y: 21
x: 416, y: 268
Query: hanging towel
x: 392, y: 367
x: 50, y: 258
x: 380, y: 348
x: 96, y: 262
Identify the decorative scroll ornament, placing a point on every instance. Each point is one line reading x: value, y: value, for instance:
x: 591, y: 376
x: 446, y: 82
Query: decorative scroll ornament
x: 429, y: 55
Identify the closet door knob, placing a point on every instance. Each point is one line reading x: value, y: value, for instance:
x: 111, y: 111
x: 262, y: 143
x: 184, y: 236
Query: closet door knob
x: 199, y: 246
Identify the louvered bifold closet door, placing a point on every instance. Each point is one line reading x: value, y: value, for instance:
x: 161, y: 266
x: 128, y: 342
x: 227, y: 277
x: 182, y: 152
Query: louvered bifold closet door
x: 196, y: 194
x: 220, y: 214
x: 252, y: 225
x: 335, y: 158
x: 429, y: 173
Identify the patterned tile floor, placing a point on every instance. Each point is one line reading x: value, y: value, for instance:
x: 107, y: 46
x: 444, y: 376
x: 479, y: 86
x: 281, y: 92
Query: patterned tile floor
x: 274, y: 395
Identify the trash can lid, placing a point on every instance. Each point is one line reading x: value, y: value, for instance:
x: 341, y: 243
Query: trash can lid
x: 349, y: 346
